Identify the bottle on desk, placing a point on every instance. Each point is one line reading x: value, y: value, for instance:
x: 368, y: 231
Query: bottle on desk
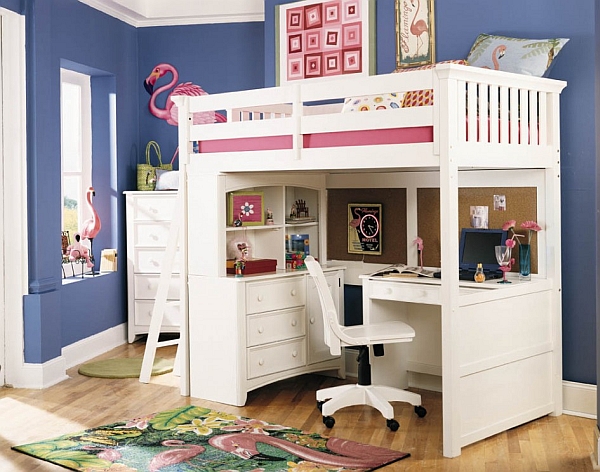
x: 479, y: 274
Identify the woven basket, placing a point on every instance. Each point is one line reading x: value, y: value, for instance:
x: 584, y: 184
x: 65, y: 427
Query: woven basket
x: 146, y: 173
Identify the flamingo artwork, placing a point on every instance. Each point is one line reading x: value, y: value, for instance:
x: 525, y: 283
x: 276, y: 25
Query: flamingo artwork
x: 181, y: 452
x: 91, y: 227
x: 169, y: 113
x: 348, y: 454
x: 418, y: 27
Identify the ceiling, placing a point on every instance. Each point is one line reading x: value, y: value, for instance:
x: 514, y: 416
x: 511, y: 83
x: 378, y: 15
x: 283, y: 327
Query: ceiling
x: 141, y: 13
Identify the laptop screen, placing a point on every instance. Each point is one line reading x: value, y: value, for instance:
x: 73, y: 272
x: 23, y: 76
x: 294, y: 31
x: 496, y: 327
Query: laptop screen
x: 477, y: 245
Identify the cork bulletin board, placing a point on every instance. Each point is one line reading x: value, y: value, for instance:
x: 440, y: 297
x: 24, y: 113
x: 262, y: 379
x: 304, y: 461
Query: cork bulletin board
x: 521, y: 205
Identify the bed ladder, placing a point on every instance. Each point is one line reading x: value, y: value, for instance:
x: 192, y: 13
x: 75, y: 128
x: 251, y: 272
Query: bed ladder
x: 160, y: 303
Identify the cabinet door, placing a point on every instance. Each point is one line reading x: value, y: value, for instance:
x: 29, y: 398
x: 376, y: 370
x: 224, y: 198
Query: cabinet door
x: 318, y: 351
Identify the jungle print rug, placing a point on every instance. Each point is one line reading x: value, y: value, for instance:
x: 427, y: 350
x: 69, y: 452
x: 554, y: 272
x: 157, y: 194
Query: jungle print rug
x: 195, y: 438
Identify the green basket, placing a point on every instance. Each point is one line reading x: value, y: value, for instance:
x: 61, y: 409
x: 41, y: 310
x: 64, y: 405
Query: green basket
x: 146, y: 173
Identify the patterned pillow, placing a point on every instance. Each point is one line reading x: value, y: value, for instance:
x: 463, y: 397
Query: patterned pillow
x: 523, y: 56
x: 421, y: 98
x: 383, y: 101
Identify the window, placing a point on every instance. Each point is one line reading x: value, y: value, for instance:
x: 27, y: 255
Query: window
x: 76, y: 147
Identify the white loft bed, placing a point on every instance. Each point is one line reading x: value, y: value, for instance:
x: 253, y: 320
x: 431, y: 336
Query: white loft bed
x: 482, y: 120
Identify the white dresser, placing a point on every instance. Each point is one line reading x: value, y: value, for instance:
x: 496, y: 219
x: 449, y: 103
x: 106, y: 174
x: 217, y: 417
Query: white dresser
x: 148, y: 217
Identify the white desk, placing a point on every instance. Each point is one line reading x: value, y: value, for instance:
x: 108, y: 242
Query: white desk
x: 500, y: 357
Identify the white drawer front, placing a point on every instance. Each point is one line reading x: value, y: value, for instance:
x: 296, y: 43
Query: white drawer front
x: 145, y: 286
x: 276, y: 358
x: 151, y: 234
x: 151, y: 261
x: 143, y: 313
x: 154, y: 207
x: 275, y: 295
x: 407, y: 292
x: 275, y: 326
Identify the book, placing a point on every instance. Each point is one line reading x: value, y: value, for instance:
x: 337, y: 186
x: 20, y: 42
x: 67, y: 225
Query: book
x: 402, y: 270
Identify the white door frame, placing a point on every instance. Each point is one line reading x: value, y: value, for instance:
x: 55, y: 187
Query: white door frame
x: 13, y: 175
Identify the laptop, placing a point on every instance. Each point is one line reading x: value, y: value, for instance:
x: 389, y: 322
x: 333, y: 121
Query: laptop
x: 478, y: 246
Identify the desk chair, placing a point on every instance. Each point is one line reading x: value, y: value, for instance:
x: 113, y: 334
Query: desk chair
x: 329, y: 400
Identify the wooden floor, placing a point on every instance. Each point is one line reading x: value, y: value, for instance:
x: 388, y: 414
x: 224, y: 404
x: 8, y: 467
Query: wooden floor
x: 558, y: 444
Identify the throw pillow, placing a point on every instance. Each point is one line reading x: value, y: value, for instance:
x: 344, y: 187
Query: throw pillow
x: 384, y: 101
x: 523, y: 56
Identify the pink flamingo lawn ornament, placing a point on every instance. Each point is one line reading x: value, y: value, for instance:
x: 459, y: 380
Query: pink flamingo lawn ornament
x: 91, y: 227
x: 174, y: 456
x: 169, y: 113
x: 417, y: 28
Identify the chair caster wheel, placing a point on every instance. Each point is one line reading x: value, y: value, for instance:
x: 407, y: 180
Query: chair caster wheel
x: 420, y: 411
x: 328, y: 421
x: 392, y: 424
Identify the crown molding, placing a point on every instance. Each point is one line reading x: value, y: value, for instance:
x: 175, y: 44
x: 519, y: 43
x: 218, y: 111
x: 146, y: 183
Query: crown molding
x: 134, y: 18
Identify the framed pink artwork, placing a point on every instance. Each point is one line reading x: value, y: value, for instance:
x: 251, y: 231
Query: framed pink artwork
x: 322, y: 39
x: 246, y: 209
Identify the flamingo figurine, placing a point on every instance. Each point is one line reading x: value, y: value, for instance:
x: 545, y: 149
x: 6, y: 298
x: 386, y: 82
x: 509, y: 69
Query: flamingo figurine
x: 91, y: 227
x: 417, y: 28
x: 169, y: 113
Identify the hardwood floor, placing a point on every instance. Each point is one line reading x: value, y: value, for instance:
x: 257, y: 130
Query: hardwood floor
x: 558, y: 444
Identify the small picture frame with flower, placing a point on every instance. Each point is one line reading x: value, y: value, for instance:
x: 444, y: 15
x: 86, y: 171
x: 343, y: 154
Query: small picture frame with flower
x: 245, y: 209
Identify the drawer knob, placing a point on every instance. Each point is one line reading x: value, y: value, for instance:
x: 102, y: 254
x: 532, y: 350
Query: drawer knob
x: 312, y: 320
x: 388, y: 291
x: 294, y: 353
x: 260, y: 298
x: 261, y: 330
x: 294, y: 322
x: 293, y: 292
x: 152, y: 210
x: 154, y: 263
x: 154, y: 237
x: 261, y: 362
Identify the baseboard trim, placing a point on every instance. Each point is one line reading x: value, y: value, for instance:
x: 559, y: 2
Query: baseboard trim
x: 579, y: 399
x: 88, y: 348
x: 39, y: 376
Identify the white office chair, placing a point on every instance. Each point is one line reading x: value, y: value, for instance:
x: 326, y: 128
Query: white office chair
x: 329, y: 400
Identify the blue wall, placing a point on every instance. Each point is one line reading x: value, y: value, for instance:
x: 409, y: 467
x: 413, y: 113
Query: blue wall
x: 217, y: 57
x: 241, y: 56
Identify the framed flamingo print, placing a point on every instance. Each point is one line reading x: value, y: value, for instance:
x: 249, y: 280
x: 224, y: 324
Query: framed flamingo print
x: 320, y: 39
x: 415, y: 33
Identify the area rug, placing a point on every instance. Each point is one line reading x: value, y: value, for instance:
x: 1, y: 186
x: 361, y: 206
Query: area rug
x: 195, y: 438
x: 122, y: 368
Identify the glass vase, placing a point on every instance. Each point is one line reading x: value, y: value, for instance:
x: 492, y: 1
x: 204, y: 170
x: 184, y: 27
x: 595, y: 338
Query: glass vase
x: 525, y: 262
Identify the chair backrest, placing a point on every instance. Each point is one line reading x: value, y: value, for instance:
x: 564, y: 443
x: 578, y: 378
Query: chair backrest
x: 331, y: 327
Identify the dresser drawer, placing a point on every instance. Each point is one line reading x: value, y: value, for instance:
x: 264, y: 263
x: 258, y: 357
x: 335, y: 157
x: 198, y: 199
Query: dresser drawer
x: 154, y: 207
x: 143, y: 313
x: 406, y: 292
x: 276, y: 358
x: 145, y: 286
x: 275, y: 295
x: 275, y: 326
x: 151, y: 234
x: 149, y: 260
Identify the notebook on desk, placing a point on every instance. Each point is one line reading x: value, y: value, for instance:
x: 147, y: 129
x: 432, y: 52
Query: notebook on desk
x: 478, y: 246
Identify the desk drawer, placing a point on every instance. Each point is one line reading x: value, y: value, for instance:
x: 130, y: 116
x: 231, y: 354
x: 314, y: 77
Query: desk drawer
x: 406, y: 292
x: 145, y: 286
x: 150, y: 261
x: 143, y: 313
x: 154, y: 208
x: 275, y: 295
x: 275, y: 326
x: 276, y: 358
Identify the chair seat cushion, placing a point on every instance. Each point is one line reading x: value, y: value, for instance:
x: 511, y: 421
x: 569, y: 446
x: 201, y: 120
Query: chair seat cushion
x: 381, y: 333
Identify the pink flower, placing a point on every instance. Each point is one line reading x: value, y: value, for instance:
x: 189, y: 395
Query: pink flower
x: 510, y: 224
x: 510, y: 243
x: 531, y: 226
x: 419, y: 242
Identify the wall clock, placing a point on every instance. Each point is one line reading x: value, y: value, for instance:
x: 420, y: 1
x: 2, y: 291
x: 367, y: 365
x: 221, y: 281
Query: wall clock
x: 364, y: 228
